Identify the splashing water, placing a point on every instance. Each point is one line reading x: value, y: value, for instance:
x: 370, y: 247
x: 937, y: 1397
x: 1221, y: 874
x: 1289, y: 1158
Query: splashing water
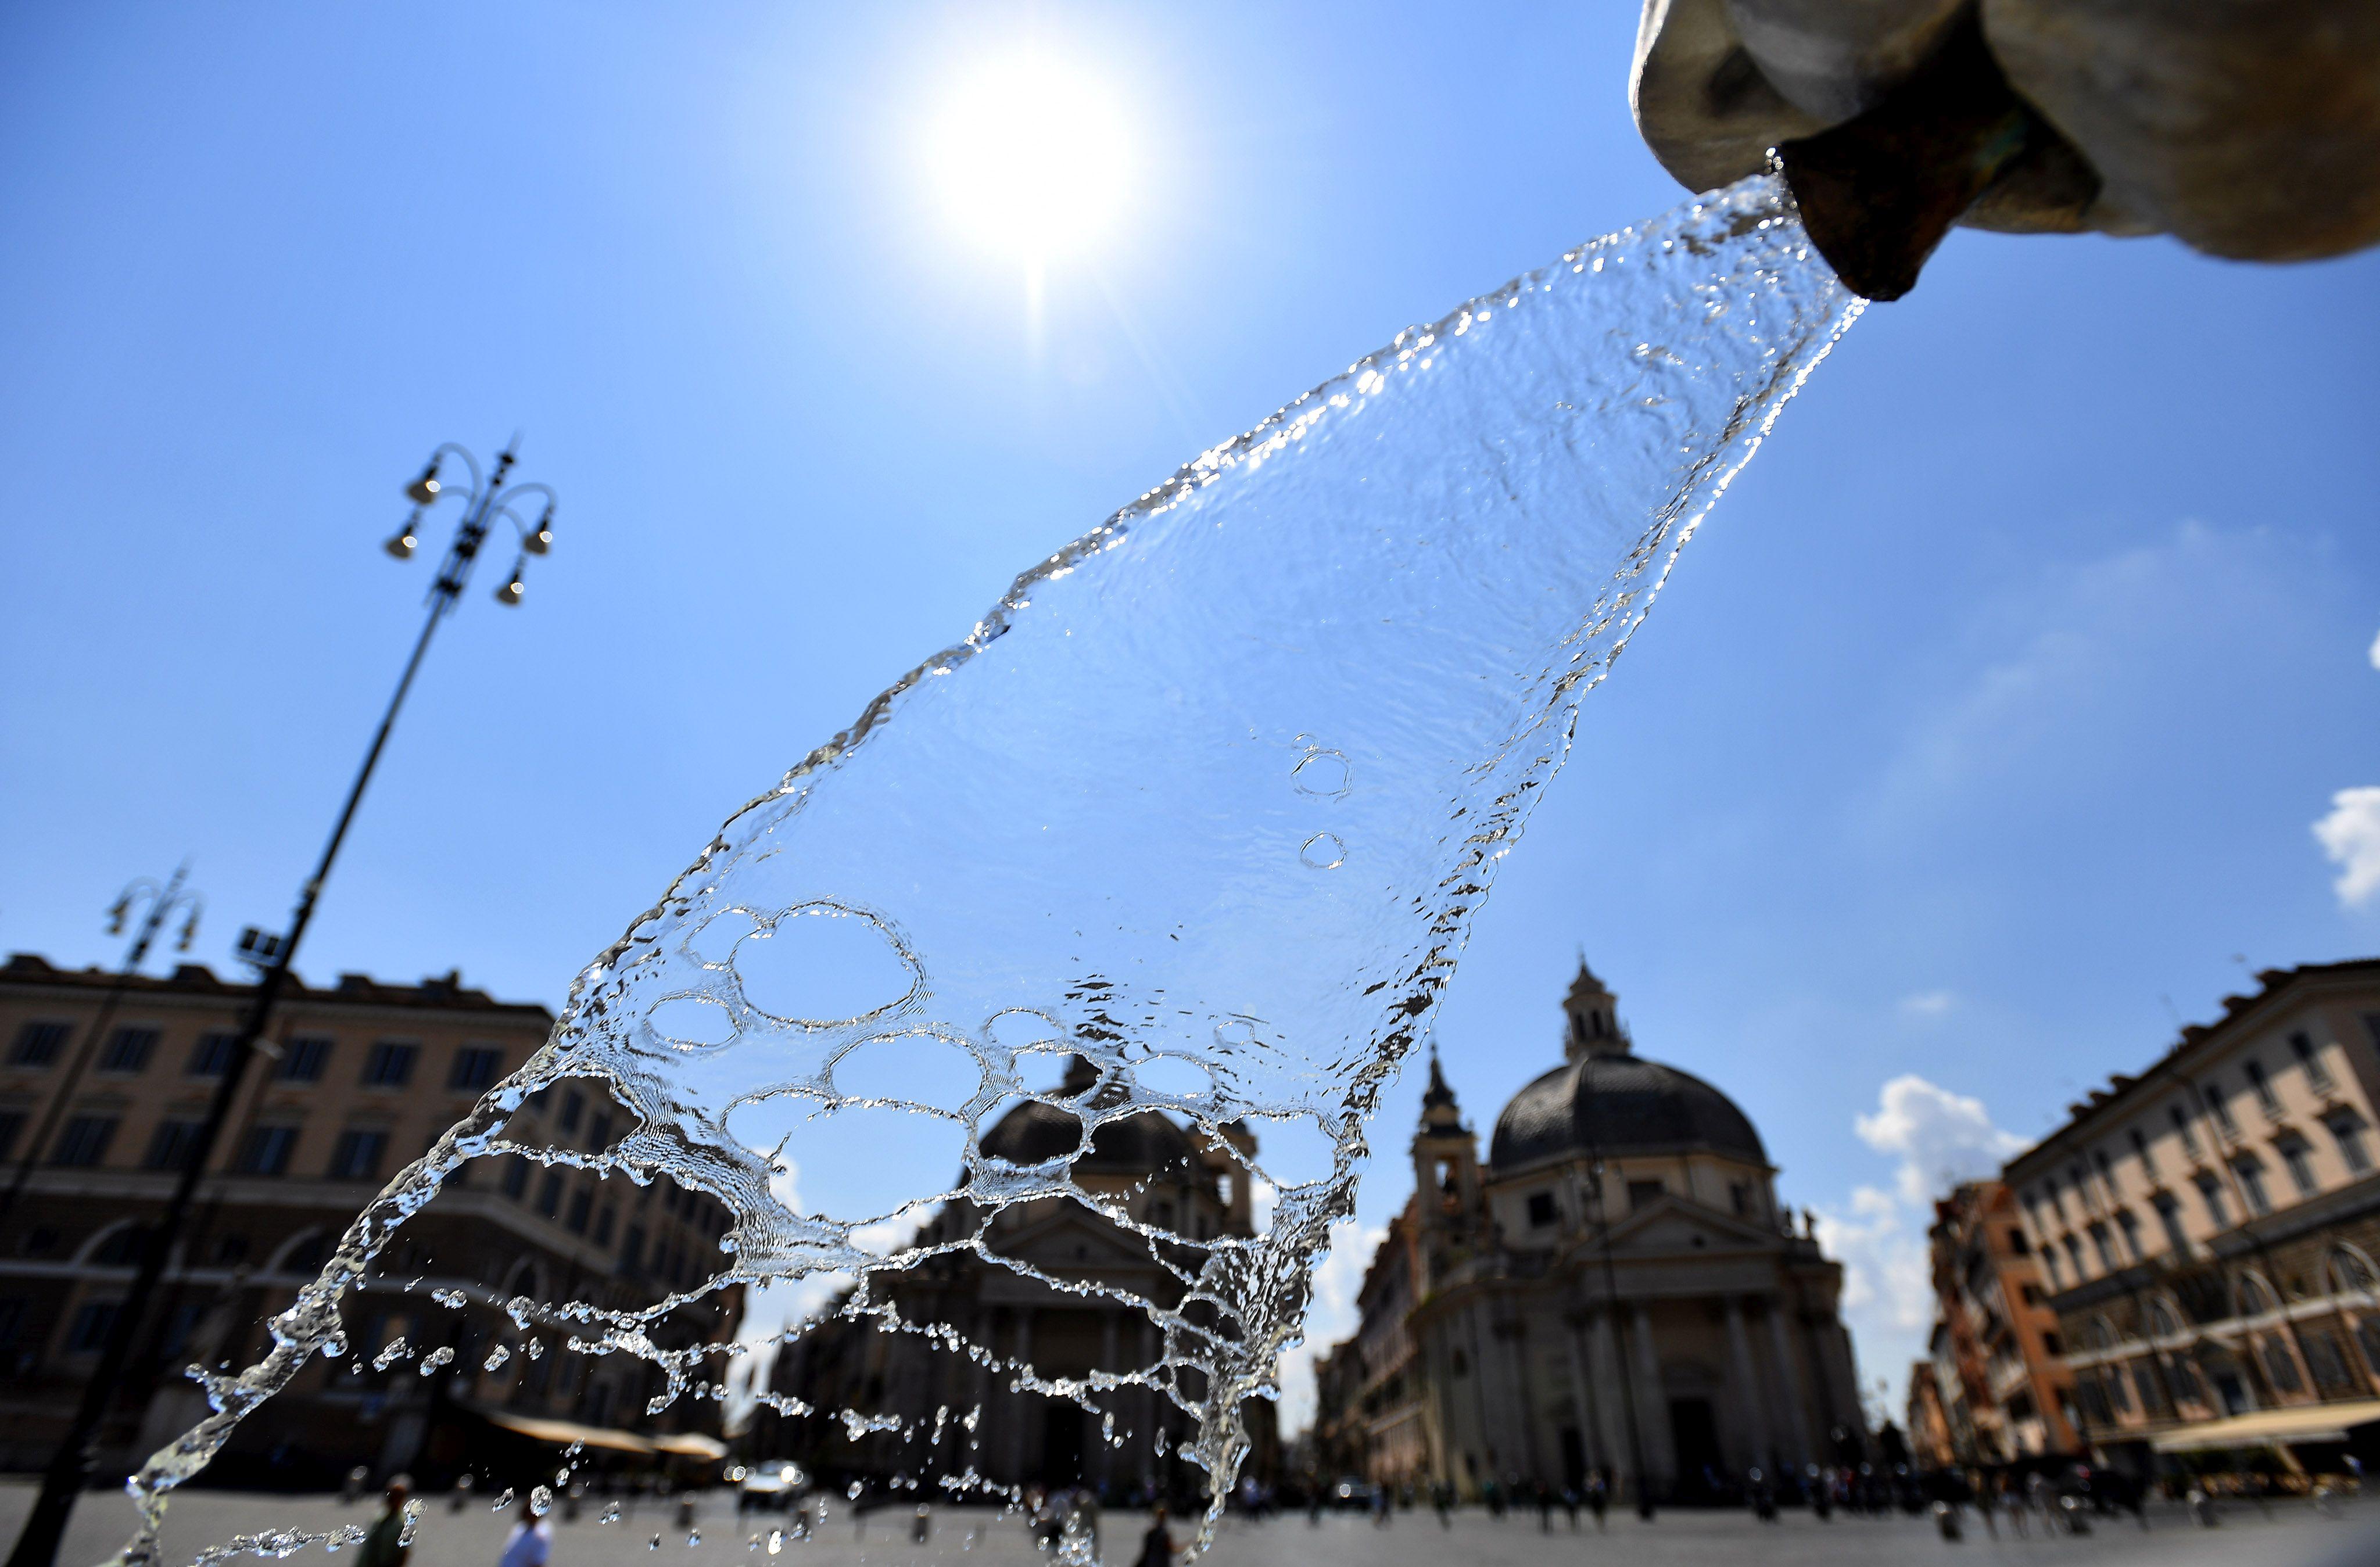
x: 1207, y: 800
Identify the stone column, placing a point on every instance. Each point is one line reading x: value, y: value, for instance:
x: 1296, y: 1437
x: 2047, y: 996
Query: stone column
x: 1483, y: 1366
x: 1794, y: 1438
x: 1514, y: 1336
x: 1745, y: 1386
x: 1652, y: 1405
x: 1021, y: 1424
x: 1616, y: 1401
x: 1101, y: 1469
x: 1590, y: 1434
x: 1151, y: 1406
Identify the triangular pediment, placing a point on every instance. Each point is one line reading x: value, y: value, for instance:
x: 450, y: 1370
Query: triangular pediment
x: 1675, y: 1224
x: 1072, y: 1238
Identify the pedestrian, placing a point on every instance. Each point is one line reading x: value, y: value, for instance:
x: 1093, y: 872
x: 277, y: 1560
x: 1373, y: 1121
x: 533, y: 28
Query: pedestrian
x: 1599, y: 1498
x: 530, y: 1544
x: 1570, y: 1506
x: 1441, y: 1497
x: 383, y: 1543
x: 1157, y: 1546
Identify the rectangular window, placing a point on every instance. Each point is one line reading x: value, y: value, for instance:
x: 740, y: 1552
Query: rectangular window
x: 2106, y: 1175
x: 2317, y: 1075
x: 2252, y: 1181
x: 2217, y: 1107
x: 574, y: 1108
x: 266, y: 1150
x: 2346, y: 1130
x: 516, y: 1177
x: 1541, y: 1209
x: 88, y: 1333
x: 39, y: 1044
x: 211, y: 1057
x: 2074, y: 1255
x: 2132, y: 1228
x: 476, y: 1067
x: 2030, y: 1293
x: 304, y: 1059
x: 2210, y: 1192
x: 549, y: 1194
x: 2105, y: 1244
x: 2141, y: 1151
x: 2169, y: 1214
x: 171, y: 1145
x: 599, y: 1135
x: 358, y: 1153
x: 2180, y: 1120
x: 12, y: 1126
x: 1643, y: 1194
x: 2298, y: 1156
x: 581, y: 1202
x: 2057, y: 1278
x: 603, y: 1224
x: 2016, y: 1243
x: 84, y: 1141
x: 2265, y: 1095
x: 390, y: 1064
x: 128, y: 1051
x: 632, y: 1250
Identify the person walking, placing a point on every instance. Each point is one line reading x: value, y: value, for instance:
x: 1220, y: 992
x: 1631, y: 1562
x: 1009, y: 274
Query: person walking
x: 383, y: 1544
x: 1157, y: 1546
x: 528, y: 1545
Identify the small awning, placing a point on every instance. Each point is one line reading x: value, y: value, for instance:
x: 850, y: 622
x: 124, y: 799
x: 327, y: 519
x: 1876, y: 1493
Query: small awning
x: 562, y: 1433
x: 690, y: 1444
x: 2264, y: 1427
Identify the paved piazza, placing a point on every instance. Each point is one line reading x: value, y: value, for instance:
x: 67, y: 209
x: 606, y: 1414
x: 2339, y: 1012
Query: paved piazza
x: 2292, y: 1535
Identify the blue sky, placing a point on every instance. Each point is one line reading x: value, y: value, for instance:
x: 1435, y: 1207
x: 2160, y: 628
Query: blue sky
x: 1987, y: 720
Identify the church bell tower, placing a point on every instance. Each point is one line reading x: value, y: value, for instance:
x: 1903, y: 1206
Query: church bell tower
x: 1591, y: 1014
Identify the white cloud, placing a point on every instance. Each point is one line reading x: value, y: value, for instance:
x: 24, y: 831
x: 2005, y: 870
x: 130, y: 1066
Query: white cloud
x: 1330, y: 1316
x: 2350, y: 837
x: 1942, y: 1137
x: 1928, y: 1004
x: 1939, y: 1137
x: 2376, y: 652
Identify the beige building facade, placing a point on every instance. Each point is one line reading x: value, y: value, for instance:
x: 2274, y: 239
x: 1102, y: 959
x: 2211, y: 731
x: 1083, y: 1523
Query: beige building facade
x: 1997, y: 1353
x: 96, y: 1124
x: 2209, y: 1230
x: 1615, y: 1291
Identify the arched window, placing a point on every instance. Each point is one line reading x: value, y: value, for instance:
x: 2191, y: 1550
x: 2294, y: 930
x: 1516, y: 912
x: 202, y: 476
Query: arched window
x: 2352, y: 1272
x: 2281, y: 1365
x: 2162, y: 1321
x: 301, y: 1253
x: 2253, y: 1296
x: 2102, y: 1333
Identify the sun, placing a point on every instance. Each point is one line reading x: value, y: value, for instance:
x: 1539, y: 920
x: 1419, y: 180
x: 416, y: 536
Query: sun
x: 1031, y: 155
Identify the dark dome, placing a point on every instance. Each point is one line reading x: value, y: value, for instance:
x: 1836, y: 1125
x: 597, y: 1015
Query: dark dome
x: 1035, y: 1132
x: 1618, y: 1103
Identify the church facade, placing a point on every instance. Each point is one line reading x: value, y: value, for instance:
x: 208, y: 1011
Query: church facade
x: 1614, y: 1292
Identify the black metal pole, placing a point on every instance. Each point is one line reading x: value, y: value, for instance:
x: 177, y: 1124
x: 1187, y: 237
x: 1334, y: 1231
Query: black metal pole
x: 158, y: 912
x: 69, y: 1470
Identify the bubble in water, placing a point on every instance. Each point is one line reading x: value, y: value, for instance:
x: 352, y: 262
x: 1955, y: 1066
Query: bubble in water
x: 1324, y: 852
x: 1067, y: 834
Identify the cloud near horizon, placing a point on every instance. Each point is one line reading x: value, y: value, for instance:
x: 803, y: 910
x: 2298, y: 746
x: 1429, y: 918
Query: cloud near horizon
x: 2350, y: 835
x: 1940, y: 1138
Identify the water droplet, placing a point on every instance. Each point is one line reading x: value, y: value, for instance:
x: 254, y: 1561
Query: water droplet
x: 1320, y: 773
x: 1324, y: 852
x: 502, y: 1502
x: 540, y: 1501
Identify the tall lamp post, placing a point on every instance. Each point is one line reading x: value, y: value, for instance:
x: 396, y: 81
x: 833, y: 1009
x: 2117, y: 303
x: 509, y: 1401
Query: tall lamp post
x: 488, y: 500
x: 165, y: 902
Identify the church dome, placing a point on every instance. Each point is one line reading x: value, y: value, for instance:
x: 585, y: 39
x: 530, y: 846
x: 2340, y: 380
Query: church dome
x: 1607, y: 1099
x: 1612, y: 1103
x: 1037, y: 1131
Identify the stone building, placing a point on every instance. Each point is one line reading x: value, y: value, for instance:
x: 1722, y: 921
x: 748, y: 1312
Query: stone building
x: 1934, y: 1439
x: 2004, y: 1387
x: 887, y: 1399
x: 1616, y: 1290
x: 2209, y: 1231
x: 361, y: 1077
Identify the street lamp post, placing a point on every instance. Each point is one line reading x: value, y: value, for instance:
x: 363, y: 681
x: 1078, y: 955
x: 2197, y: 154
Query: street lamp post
x: 163, y: 904
x: 487, y: 500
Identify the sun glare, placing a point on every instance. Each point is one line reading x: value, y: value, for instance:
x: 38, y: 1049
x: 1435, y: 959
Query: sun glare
x: 1032, y: 157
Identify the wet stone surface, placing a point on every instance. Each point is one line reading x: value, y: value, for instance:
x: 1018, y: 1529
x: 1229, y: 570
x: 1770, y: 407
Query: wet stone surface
x: 475, y: 1537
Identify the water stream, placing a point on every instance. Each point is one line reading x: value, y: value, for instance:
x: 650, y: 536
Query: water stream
x: 1207, y: 799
